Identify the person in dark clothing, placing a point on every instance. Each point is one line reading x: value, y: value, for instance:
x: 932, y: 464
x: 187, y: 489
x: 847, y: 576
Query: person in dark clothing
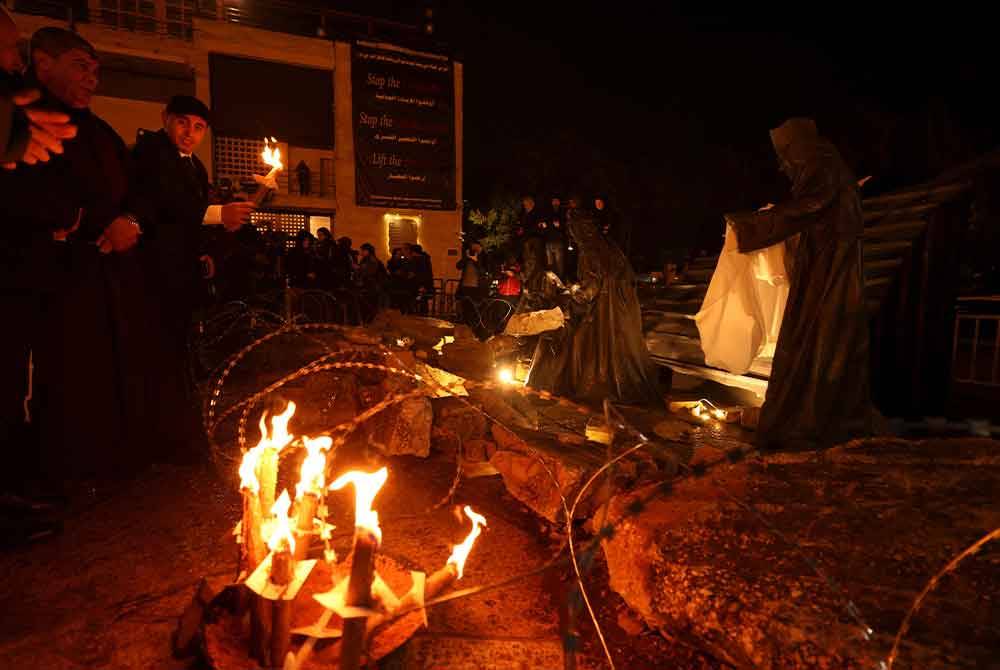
x: 818, y: 393
x: 602, y: 217
x: 423, y: 277
x: 303, y: 266
x: 169, y: 195
x: 602, y: 354
x: 472, y: 287
x: 86, y: 352
x: 372, y: 280
x: 324, y: 251
x: 528, y: 235
x: 28, y: 135
x: 554, y: 232
x: 241, y: 263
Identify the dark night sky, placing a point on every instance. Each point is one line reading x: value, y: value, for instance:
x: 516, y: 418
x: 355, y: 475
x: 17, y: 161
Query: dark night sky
x: 668, y: 113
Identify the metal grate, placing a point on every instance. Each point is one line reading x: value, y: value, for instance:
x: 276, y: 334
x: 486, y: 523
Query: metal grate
x: 237, y: 158
x: 284, y: 222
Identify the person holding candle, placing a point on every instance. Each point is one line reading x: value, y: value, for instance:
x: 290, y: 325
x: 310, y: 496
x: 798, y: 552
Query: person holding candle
x: 169, y: 195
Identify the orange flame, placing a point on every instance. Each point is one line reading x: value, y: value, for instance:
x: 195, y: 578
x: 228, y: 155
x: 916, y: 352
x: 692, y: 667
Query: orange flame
x: 366, y: 487
x: 248, y: 466
x: 279, y: 427
x: 460, y: 552
x: 277, y: 439
x: 312, y: 474
x: 271, y: 155
x: 281, y: 529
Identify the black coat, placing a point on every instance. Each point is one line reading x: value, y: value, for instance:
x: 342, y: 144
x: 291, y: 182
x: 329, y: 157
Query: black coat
x: 818, y: 392
x: 87, y: 338
x: 169, y: 195
x: 602, y: 353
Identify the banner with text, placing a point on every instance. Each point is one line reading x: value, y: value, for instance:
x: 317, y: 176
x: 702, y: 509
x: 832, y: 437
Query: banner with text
x: 404, y: 129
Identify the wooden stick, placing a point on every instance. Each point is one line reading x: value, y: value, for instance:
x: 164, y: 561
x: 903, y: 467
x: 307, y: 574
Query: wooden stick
x: 254, y: 551
x: 304, y: 527
x: 260, y: 630
x: 281, y: 609
x: 359, y: 590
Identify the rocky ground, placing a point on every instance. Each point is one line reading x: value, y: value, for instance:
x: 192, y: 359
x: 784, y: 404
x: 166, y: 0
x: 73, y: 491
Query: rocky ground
x: 773, y: 561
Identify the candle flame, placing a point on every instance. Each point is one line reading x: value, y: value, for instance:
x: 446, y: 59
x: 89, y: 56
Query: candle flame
x: 312, y: 477
x: 460, y: 552
x: 271, y: 155
x: 278, y: 438
x: 248, y: 466
x: 280, y: 527
x: 366, y: 487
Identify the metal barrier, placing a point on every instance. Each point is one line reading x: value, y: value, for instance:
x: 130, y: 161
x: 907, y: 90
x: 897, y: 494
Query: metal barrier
x: 975, y: 355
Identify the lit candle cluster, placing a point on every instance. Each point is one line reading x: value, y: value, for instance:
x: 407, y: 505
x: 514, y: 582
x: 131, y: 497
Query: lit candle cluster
x: 276, y: 538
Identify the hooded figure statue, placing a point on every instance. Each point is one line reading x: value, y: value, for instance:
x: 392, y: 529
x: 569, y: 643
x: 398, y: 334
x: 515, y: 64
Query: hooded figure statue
x: 818, y: 394
x: 602, y: 353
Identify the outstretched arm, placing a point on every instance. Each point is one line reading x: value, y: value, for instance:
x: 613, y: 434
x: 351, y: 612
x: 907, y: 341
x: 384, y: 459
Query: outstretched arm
x: 766, y: 227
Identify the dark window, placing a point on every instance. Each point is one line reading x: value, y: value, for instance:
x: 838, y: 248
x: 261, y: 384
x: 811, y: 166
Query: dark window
x: 255, y: 98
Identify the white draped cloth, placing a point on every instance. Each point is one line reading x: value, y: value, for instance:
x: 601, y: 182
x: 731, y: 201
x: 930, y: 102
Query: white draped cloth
x: 740, y: 318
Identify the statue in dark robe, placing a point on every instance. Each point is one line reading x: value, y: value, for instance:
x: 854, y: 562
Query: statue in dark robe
x: 600, y: 353
x: 818, y: 393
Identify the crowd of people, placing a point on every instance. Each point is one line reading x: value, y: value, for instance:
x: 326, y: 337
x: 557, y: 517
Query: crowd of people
x: 254, y: 262
x: 540, y: 248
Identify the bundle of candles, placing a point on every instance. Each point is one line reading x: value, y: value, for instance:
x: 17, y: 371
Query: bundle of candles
x: 276, y: 536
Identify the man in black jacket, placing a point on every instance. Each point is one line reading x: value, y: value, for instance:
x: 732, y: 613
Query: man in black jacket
x: 169, y: 195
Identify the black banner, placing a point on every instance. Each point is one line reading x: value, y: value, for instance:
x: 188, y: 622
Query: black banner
x: 404, y: 129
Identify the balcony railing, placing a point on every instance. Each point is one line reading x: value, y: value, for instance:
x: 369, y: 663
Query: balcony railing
x: 174, y: 18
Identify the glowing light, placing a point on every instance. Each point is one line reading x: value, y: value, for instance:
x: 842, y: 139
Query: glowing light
x: 280, y: 528
x: 460, y: 552
x: 312, y: 477
x: 271, y: 155
x: 506, y: 376
x: 248, y: 466
x: 280, y: 438
x: 366, y: 487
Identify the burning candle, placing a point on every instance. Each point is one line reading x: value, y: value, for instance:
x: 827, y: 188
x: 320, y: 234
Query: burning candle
x: 308, y: 491
x: 258, y: 475
x: 271, y: 155
x: 367, y: 537
x: 455, y: 566
x: 440, y: 580
x: 282, y: 545
x: 267, y: 470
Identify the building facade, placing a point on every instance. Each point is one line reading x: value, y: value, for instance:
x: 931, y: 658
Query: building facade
x: 370, y: 130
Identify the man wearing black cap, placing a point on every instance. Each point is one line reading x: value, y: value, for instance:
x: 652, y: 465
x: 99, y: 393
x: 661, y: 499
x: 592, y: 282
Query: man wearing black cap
x: 169, y: 195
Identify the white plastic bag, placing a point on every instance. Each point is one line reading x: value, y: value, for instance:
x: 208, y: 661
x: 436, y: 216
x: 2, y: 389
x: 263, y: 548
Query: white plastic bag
x: 741, y: 315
